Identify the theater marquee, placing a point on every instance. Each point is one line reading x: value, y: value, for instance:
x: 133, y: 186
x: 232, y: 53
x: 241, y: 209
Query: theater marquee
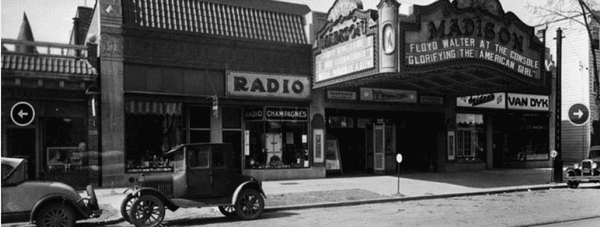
x: 345, y: 45
x: 457, y: 32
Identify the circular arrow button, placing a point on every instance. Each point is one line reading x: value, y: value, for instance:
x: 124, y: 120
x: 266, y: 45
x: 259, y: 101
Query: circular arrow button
x: 578, y: 114
x: 22, y: 113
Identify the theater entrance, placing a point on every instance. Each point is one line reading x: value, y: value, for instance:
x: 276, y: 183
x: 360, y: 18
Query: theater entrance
x: 369, y: 145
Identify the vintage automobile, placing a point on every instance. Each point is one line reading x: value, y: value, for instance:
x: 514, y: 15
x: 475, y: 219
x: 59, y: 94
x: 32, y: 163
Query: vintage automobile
x: 202, y: 176
x: 586, y: 171
x: 43, y: 203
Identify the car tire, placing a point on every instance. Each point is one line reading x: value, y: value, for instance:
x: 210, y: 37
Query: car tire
x: 147, y: 211
x: 56, y: 214
x: 228, y: 211
x: 573, y: 184
x: 249, y: 205
x: 126, y: 206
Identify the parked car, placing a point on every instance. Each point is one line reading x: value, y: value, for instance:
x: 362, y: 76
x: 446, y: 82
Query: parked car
x: 43, y: 203
x: 203, y: 175
x: 585, y: 171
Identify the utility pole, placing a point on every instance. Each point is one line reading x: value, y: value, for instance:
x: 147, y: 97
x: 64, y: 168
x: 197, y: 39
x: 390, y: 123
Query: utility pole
x: 557, y: 163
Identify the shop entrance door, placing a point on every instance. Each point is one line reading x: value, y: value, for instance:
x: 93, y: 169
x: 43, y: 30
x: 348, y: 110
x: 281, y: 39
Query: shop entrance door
x: 378, y: 145
x: 21, y: 143
x: 384, y: 148
x: 497, y: 150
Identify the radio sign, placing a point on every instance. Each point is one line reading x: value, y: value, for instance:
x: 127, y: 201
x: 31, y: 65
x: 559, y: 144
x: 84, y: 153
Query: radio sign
x: 247, y: 84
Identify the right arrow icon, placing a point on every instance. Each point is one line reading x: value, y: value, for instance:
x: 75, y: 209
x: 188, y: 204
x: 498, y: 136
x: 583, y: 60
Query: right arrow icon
x: 579, y: 114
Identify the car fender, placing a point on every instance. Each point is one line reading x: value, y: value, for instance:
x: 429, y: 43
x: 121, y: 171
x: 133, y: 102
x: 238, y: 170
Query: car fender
x: 80, y: 211
x: 242, y: 186
x: 155, y: 192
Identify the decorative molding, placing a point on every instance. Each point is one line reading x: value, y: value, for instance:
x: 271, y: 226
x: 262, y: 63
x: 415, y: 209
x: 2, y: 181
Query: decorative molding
x: 111, y: 8
x: 111, y: 45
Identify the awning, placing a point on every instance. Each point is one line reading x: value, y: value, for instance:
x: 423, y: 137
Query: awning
x: 153, y: 108
x: 458, y: 81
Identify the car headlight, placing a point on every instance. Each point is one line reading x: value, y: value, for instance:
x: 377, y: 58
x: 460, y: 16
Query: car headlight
x: 576, y: 165
x: 594, y: 165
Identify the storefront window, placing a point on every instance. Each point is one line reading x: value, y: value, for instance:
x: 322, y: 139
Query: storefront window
x: 470, y: 137
x: 64, y: 141
x: 527, y: 137
x: 147, y: 138
x: 277, y: 139
x: 199, y: 124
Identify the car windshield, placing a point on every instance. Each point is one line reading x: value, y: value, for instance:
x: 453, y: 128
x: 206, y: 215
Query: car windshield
x: 594, y: 153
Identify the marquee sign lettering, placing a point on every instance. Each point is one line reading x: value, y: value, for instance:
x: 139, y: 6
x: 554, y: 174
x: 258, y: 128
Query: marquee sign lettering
x: 267, y: 86
x: 465, y: 35
x: 345, y: 45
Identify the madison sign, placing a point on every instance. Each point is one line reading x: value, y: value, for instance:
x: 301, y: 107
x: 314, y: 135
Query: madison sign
x: 245, y: 84
x: 447, y: 35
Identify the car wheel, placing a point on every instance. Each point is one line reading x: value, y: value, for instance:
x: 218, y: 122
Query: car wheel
x: 93, y: 199
x: 228, y: 211
x: 147, y: 211
x: 249, y: 205
x: 56, y: 214
x: 573, y: 184
x: 126, y: 206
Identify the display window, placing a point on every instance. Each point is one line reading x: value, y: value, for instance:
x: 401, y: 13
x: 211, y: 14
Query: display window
x: 526, y: 137
x: 64, y: 144
x: 151, y: 129
x: 277, y: 137
x: 470, y: 138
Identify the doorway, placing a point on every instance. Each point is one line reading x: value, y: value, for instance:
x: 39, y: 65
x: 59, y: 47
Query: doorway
x: 21, y: 143
x: 498, y: 150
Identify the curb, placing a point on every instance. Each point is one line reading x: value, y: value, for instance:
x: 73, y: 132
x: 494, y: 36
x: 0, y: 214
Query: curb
x: 400, y: 199
x: 370, y: 201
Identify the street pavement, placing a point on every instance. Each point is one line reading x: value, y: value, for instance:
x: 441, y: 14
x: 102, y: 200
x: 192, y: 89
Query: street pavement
x: 389, y: 188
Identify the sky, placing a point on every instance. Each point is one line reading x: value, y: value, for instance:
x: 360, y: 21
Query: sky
x: 52, y: 20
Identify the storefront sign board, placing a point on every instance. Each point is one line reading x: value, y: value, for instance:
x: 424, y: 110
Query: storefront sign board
x: 450, y: 34
x: 433, y: 100
x: 528, y: 102
x: 491, y: 100
x: 259, y: 85
x: 388, y: 95
x: 341, y: 95
x: 252, y: 114
x: 286, y: 113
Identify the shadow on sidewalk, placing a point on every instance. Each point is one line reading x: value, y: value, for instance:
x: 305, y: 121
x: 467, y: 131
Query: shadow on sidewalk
x: 214, y: 220
x: 488, y: 178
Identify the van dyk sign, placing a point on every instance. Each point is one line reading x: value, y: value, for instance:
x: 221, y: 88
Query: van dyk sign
x: 245, y: 84
x: 528, y: 102
x: 344, y: 46
x: 463, y: 34
x: 491, y: 100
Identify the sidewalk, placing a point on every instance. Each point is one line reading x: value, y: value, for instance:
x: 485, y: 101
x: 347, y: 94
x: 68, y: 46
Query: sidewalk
x: 354, y: 190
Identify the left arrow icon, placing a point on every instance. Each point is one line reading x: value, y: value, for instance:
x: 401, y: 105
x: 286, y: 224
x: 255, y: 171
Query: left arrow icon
x: 21, y: 114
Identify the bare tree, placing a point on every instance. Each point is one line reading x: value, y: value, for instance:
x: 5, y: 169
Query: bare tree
x: 573, y: 10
